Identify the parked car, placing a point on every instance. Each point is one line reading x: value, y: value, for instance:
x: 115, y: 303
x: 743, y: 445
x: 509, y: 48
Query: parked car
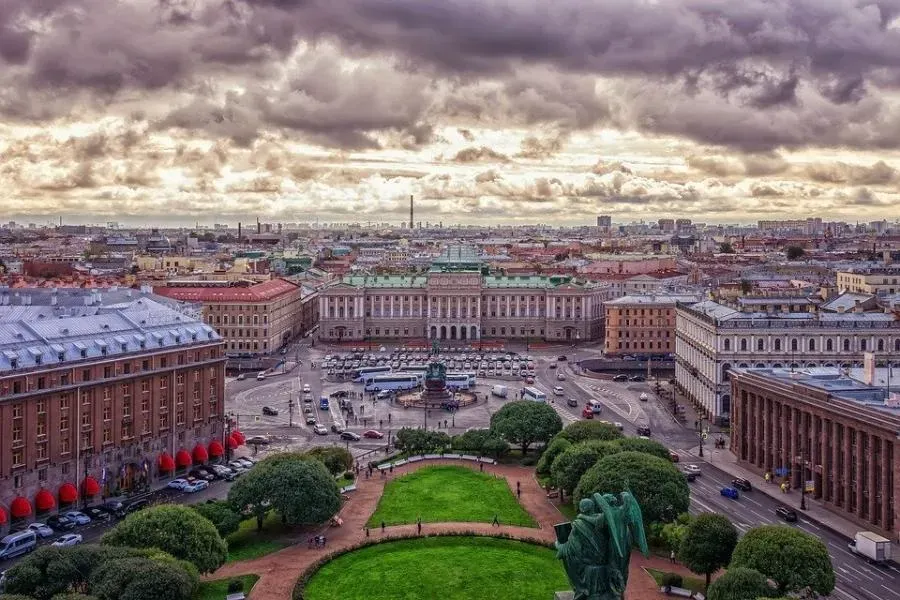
x: 350, y: 436
x: 620, y: 377
x: 70, y: 539
x: 636, y: 378
x: 695, y: 469
x: 96, y: 514
x: 730, y: 492
x: 79, y: 517
x: 177, y: 484
x: 529, y: 380
x: 572, y: 402
x: 372, y: 434
x: 269, y: 411
x: 41, y: 530
x: 246, y: 462
x: 643, y: 430
x: 259, y: 440
x: 310, y: 420
x: 201, y: 473
x: 137, y: 505
x: 60, y: 523
x: 383, y: 395
x: 113, y: 507
x: 320, y: 429
x: 222, y: 472
x: 196, y: 486
x: 786, y: 514
x: 741, y: 484
x: 307, y: 410
x: 16, y: 544
x: 237, y: 467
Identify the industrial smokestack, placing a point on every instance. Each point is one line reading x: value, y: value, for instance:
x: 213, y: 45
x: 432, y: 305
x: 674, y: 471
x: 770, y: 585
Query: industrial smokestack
x: 258, y: 226
x: 239, y: 231
x: 410, y: 211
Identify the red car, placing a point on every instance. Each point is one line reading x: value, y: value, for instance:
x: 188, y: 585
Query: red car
x: 377, y: 435
x: 587, y: 413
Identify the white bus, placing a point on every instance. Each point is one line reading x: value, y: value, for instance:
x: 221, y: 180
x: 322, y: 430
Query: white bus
x: 460, y: 381
x: 531, y: 393
x: 365, y: 374
x: 397, y: 381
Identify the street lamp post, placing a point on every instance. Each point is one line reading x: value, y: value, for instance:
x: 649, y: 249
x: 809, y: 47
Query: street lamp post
x: 702, y: 434
x: 803, y: 482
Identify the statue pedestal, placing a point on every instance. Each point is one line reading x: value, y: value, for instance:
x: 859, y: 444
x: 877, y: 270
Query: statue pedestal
x: 564, y: 596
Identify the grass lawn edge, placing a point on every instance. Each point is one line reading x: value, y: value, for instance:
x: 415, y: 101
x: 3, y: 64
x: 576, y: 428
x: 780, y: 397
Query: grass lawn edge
x: 216, y: 589
x: 695, y: 584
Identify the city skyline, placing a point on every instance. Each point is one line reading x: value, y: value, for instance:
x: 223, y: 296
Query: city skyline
x: 176, y: 112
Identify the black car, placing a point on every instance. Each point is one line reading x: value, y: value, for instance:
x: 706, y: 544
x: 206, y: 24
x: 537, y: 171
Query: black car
x: 572, y: 402
x: 689, y: 476
x: 637, y: 378
x: 643, y: 430
x: 562, y: 357
x: 620, y: 377
x: 258, y: 440
x: 136, y: 506
x: 269, y: 411
x: 741, y: 484
x: 113, y: 507
x: 97, y: 514
x: 60, y: 523
x: 785, y: 513
x: 201, y: 474
x: 350, y: 436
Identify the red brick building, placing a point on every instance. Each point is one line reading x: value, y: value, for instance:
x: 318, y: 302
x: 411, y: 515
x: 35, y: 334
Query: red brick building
x: 98, y: 400
x: 835, y: 432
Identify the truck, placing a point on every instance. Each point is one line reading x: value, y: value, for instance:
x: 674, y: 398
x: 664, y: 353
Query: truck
x: 500, y: 391
x: 871, y: 546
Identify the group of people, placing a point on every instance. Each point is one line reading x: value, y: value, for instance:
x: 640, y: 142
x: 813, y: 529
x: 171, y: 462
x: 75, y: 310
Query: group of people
x: 316, y: 541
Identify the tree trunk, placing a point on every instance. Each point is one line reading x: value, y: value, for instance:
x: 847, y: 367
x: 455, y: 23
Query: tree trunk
x: 259, y: 522
x: 708, y: 576
x: 525, y: 448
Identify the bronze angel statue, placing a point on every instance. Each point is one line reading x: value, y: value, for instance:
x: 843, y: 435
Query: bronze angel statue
x: 596, y: 547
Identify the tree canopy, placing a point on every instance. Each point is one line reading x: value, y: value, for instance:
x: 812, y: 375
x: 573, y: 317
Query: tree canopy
x: 221, y: 514
x: 793, y: 559
x: 658, y: 486
x: 652, y: 447
x: 581, y: 431
x: 739, y: 583
x: 301, y: 491
x: 335, y: 458
x: 571, y: 464
x: 175, y: 529
x: 794, y: 252
x: 557, y: 446
x: 482, y: 442
x: 419, y: 441
x: 138, y: 578
x: 707, y: 544
x: 525, y: 422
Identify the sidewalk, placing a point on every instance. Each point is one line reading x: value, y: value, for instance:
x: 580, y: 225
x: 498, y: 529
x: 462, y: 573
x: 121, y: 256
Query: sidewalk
x: 815, y: 510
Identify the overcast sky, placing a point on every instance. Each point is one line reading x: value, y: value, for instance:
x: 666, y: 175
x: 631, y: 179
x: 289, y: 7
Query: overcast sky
x: 518, y: 111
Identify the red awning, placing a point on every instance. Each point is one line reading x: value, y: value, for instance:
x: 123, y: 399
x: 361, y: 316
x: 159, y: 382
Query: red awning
x: 90, y: 487
x: 183, y: 458
x: 200, y: 454
x: 20, y: 508
x: 238, y: 437
x: 215, y: 449
x: 166, y: 464
x: 232, y: 443
x: 44, y: 500
x: 3, y: 518
x: 68, y: 493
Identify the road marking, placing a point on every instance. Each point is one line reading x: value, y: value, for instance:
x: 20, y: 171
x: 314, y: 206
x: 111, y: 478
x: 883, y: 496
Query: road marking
x: 892, y: 591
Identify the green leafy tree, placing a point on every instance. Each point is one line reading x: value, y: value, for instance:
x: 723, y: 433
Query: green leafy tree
x: 740, y: 583
x: 652, y: 447
x: 43, y: 574
x: 495, y: 447
x: 557, y: 446
x: 707, y: 544
x: 793, y: 559
x: 672, y: 533
x: 658, y: 486
x: 569, y: 466
x: 794, y: 252
x: 726, y: 248
x: 72, y: 596
x: 480, y: 441
x: 525, y: 422
x: 142, y: 579
x: 15, y: 597
x: 414, y: 441
x: 336, y: 459
x: 301, y: 491
x: 174, y: 529
x: 221, y: 514
x: 582, y: 431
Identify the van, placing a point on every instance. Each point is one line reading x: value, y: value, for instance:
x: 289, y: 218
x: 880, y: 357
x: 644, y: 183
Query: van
x: 16, y: 544
x: 500, y: 391
x: 595, y: 405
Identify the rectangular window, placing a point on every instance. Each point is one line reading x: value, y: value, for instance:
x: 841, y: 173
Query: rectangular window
x: 41, y: 453
x: 18, y: 459
x: 64, y: 448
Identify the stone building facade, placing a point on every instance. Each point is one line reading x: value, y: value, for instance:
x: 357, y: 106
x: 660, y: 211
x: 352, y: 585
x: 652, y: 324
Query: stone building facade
x: 830, y: 432
x: 641, y: 324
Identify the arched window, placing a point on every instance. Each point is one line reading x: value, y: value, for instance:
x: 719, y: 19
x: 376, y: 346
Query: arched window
x: 794, y: 345
x: 863, y: 345
x: 846, y: 345
x: 760, y: 345
x: 727, y: 345
x: 881, y: 345
x: 743, y: 344
x: 812, y: 345
x: 777, y: 345
x: 829, y: 345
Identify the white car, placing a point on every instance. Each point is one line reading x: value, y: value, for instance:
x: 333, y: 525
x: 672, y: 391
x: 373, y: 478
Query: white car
x: 177, y: 484
x: 619, y: 426
x: 558, y: 391
x: 241, y: 377
x: 70, y: 539
x: 692, y: 469
x: 644, y: 397
x: 320, y: 429
x: 560, y: 377
x: 79, y: 517
x: 41, y: 530
x: 306, y: 388
x: 196, y: 486
x: 260, y: 376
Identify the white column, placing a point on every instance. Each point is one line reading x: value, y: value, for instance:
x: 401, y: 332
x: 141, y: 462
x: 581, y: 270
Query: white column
x: 391, y: 306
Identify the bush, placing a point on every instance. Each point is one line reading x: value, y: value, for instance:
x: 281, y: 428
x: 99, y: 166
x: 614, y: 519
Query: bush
x: 570, y: 465
x: 529, y: 461
x: 557, y: 446
x: 336, y: 459
x: 582, y: 431
x: 235, y: 586
x: 349, y: 475
x: 672, y: 580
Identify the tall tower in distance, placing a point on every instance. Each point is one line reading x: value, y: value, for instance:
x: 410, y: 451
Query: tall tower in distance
x: 410, y: 211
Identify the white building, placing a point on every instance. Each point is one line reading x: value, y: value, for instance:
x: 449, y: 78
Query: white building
x: 712, y: 338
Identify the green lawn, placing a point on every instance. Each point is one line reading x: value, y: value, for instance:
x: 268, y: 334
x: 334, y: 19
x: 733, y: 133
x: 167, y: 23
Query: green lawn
x: 449, y: 568
x: 247, y: 543
x: 449, y: 494
x: 216, y: 590
x: 568, y: 510
x: 695, y: 584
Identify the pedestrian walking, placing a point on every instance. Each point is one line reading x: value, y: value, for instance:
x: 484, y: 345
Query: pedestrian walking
x: 672, y: 556
x: 367, y: 532
x: 391, y: 468
x: 382, y: 527
x: 767, y: 477
x: 496, y: 521
x: 481, y: 466
x: 419, y: 525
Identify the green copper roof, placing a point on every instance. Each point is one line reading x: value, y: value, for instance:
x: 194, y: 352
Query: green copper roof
x: 527, y: 281
x: 386, y: 281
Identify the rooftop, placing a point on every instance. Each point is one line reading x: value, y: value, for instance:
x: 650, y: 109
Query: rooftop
x: 653, y: 299
x: 261, y: 292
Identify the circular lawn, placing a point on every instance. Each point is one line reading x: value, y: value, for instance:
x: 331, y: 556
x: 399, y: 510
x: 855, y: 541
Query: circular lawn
x: 447, y: 567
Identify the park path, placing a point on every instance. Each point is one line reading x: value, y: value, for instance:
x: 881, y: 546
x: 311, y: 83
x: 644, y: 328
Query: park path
x: 279, y: 571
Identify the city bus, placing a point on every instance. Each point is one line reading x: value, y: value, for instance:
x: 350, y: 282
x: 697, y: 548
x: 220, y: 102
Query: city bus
x: 535, y: 394
x: 396, y: 381
x: 460, y: 381
x: 365, y: 374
